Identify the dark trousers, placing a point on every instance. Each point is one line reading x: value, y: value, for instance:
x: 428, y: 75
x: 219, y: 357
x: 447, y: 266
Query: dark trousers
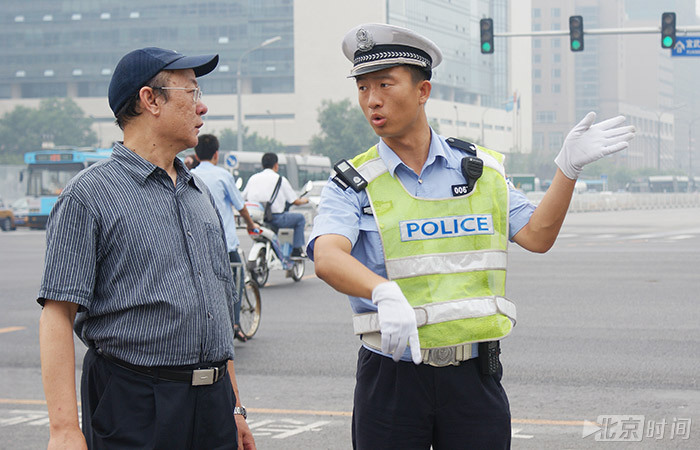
x: 291, y: 220
x: 122, y: 409
x: 405, y: 406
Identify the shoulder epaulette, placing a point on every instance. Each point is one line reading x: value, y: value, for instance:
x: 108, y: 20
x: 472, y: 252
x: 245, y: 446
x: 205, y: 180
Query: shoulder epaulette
x: 464, y: 146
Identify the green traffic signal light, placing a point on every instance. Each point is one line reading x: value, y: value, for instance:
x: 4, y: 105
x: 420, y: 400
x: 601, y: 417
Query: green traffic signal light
x: 486, y: 30
x: 668, y: 29
x: 576, y: 33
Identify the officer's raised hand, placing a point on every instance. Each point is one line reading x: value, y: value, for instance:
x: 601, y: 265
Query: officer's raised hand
x: 397, y: 321
x: 587, y: 143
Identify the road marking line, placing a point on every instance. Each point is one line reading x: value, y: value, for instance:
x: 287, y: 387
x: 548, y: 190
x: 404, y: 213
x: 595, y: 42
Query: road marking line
x: 18, y: 401
x: 11, y: 329
x: 515, y: 434
x: 300, y: 411
x: 681, y: 236
x: 310, y: 412
x: 574, y: 423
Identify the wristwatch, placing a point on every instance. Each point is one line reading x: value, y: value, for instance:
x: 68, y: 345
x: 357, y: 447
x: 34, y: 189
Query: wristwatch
x: 241, y: 411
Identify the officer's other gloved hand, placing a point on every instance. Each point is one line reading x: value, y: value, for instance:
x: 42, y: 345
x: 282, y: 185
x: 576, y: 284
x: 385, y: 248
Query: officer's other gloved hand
x: 397, y: 321
x: 586, y: 143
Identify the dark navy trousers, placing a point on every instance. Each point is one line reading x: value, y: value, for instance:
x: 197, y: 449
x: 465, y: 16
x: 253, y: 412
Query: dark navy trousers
x: 122, y: 409
x: 407, y: 406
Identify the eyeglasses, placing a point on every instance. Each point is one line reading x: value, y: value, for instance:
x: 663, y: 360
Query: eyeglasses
x: 196, y: 92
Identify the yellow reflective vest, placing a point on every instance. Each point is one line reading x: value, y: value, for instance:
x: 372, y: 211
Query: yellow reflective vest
x: 448, y: 255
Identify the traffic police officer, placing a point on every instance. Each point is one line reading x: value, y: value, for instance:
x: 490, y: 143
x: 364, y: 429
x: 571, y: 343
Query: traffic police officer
x: 415, y: 232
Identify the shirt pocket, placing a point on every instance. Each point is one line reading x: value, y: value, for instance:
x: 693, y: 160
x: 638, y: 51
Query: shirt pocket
x: 217, y: 252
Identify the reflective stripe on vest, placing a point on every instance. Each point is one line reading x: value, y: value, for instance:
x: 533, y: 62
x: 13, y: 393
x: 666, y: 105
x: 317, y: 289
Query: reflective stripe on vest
x: 447, y: 255
x: 445, y: 263
x: 433, y: 313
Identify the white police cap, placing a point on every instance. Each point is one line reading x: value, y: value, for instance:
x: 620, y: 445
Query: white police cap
x: 377, y: 46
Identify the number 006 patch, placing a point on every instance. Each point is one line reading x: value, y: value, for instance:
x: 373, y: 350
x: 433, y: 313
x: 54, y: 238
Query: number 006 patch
x: 459, y: 189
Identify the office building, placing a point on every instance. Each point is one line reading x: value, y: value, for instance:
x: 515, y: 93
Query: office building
x: 59, y: 48
x: 626, y: 74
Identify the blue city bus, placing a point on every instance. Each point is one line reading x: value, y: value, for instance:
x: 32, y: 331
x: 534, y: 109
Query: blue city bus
x: 48, y: 172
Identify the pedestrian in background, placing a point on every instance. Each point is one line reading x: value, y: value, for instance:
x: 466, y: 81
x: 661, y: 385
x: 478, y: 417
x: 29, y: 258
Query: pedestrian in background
x: 260, y: 188
x: 191, y: 161
x: 226, y: 196
x: 136, y: 263
x: 415, y: 230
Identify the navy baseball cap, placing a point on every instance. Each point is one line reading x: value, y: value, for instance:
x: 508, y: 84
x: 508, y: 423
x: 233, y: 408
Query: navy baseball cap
x: 139, y: 66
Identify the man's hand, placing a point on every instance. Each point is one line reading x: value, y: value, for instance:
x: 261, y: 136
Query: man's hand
x: 586, y: 143
x: 252, y: 227
x: 245, y: 437
x: 397, y: 321
x: 69, y: 439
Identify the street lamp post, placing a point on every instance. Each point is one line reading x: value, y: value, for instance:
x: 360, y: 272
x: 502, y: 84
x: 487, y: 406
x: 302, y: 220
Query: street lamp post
x: 456, y: 119
x: 483, y: 138
x: 274, y: 128
x: 239, y: 85
x: 691, y: 124
x: 658, y: 132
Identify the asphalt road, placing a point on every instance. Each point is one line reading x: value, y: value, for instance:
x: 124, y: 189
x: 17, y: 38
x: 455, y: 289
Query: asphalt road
x: 608, y: 331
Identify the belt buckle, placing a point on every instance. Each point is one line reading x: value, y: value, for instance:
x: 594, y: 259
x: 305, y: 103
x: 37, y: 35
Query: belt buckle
x: 204, y: 377
x: 442, y: 357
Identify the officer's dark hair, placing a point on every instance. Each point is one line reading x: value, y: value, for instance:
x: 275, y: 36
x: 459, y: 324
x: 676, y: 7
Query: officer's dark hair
x: 207, y: 147
x: 269, y: 160
x: 132, y: 108
x: 419, y: 74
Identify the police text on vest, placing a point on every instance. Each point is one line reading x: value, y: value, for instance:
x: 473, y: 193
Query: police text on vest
x: 445, y: 227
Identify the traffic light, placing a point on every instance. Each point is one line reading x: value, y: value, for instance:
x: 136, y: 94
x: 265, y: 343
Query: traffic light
x: 668, y: 30
x: 576, y: 33
x: 486, y: 26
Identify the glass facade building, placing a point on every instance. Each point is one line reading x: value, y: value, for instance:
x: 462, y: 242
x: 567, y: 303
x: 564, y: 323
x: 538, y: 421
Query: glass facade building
x: 70, y: 47
x: 465, y: 76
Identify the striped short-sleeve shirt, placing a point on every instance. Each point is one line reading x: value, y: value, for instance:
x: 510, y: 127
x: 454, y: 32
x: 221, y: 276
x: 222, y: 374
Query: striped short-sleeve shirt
x: 145, y: 260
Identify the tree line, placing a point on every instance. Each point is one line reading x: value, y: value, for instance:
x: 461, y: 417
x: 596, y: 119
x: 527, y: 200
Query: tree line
x: 344, y: 132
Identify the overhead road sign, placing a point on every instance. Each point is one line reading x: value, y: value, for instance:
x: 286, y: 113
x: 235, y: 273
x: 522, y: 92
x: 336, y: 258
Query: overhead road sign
x: 686, y: 46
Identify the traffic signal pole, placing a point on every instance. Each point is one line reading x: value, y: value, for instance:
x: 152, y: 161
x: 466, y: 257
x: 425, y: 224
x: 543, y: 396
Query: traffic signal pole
x: 600, y: 31
x: 668, y: 30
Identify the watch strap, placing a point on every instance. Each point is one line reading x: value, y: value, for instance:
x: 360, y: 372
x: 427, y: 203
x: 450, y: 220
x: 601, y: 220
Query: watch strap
x: 240, y: 410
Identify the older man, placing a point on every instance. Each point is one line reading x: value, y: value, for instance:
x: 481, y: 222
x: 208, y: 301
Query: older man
x: 136, y: 262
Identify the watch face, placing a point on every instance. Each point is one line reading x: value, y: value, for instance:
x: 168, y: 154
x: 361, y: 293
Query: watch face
x: 241, y: 411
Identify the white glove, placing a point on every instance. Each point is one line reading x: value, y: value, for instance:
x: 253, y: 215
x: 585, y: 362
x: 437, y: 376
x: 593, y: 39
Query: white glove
x: 397, y: 321
x: 586, y: 143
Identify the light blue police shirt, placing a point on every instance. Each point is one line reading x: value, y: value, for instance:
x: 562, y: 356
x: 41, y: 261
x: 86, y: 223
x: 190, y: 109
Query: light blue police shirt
x: 223, y: 188
x: 340, y: 211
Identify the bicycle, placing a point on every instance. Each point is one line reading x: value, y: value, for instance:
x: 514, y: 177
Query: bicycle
x: 251, y: 303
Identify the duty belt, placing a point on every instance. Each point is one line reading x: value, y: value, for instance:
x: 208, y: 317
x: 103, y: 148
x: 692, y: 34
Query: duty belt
x: 436, y: 357
x: 200, y: 376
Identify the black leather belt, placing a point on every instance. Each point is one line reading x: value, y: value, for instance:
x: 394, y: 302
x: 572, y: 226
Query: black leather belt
x: 199, y: 376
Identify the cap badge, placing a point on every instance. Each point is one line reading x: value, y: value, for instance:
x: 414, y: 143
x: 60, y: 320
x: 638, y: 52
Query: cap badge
x: 364, y: 40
